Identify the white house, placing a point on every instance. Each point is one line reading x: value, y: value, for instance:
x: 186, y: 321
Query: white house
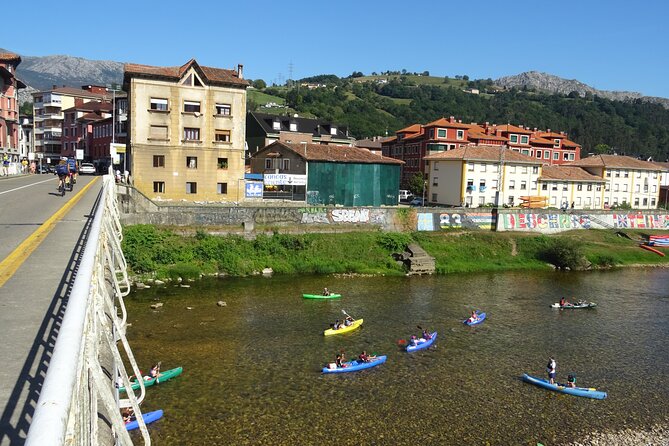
x: 472, y: 176
x: 571, y: 187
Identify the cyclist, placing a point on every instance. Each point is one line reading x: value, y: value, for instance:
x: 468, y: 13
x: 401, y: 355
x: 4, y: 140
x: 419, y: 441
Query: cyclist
x: 63, y: 172
x: 72, y: 164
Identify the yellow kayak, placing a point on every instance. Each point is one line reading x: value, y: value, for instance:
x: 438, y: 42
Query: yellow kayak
x: 355, y: 324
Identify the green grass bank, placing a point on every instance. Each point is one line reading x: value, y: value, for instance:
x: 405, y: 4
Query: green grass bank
x: 162, y: 253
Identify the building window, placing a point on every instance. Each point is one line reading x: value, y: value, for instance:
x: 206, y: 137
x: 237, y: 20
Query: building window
x: 431, y: 134
x: 222, y: 163
x: 159, y: 187
x: 484, y: 167
x: 523, y: 169
x: 222, y: 188
x: 523, y: 185
x: 512, y: 184
x: 616, y: 187
x: 626, y: 173
x: 158, y: 132
x: 494, y: 185
x: 637, y: 188
x: 544, y: 186
x: 579, y: 186
x: 191, y: 162
x: 617, y: 174
x: 645, y: 201
x: 524, y: 139
x: 652, y: 202
x: 535, y: 169
x: 268, y: 163
x: 547, y: 154
x: 191, y: 134
x: 526, y: 152
x: 557, y: 142
x: 625, y: 187
x: 158, y: 161
x: 589, y: 187
x: 222, y: 136
x: 223, y: 109
x: 191, y: 107
x: 158, y: 104
x: 636, y: 202
x: 460, y: 134
x: 608, y: 173
x: 276, y: 125
x: 470, y: 167
x: 556, y: 156
x: 513, y: 138
x: 293, y: 126
x: 191, y: 188
x: 285, y: 164
x: 554, y: 186
x: 564, y: 186
x: 441, y: 133
x: 539, y: 154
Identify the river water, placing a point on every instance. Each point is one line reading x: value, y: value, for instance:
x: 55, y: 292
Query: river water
x: 252, y: 368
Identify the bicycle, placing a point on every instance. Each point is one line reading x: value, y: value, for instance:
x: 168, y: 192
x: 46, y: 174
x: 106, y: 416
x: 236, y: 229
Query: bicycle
x: 61, y: 186
x: 70, y: 180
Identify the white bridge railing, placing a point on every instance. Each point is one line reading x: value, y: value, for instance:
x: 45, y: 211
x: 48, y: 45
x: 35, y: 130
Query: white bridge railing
x: 79, y: 403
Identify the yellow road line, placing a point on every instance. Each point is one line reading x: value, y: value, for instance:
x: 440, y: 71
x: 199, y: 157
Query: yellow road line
x: 16, y: 258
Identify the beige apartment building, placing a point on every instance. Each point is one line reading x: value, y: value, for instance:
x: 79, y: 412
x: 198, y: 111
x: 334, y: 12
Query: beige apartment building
x: 186, y: 131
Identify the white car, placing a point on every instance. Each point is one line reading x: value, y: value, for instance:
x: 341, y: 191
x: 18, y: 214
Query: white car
x: 87, y: 169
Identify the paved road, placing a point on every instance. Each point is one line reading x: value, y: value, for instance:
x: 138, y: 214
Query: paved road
x: 33, y: 300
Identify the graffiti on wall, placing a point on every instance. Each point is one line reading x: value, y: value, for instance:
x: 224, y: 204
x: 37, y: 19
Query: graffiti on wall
x: 549, y: 222
x: 453, y: 220
x: 639, y: 220
x: 319, y: 214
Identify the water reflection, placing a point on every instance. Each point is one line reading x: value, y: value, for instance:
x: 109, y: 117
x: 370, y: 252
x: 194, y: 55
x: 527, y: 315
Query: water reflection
x: 251, y: 369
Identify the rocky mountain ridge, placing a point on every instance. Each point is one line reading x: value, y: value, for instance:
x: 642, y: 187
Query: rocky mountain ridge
x: 550, y: 83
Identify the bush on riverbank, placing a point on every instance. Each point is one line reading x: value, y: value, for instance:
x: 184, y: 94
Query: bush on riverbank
x: 153, y: 251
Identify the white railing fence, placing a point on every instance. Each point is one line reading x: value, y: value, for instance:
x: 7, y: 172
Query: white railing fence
x: 79, y: 403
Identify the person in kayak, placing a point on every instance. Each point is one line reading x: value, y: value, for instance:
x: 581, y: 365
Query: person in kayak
x: 336, y: 325
x: 550, y: 369
x: 128, y: 415
x: 474, y: 317
x: 562, y: 302
x: 348, y: 321
x: 154, y: 372
x: 571, y: 380
x: 426, y: 335
x: 414, y: 340
x: 339, y: 360
x: 364, y: 357
x: 326, y: 292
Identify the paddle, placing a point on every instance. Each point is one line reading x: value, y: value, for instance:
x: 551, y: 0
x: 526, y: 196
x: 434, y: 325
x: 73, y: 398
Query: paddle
x: 346, y: 314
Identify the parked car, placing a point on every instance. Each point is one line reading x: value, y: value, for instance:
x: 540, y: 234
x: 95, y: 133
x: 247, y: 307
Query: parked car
x: 418, y: 201
x: 87, y: 169
x: 405, y: 196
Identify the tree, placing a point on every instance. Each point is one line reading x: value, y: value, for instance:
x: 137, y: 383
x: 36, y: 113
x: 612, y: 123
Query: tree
x: 259, y: 84
x: 26, y: 109
x: 465, y: 78
x: 602, y: 149
x: 356, y: 74
x: 425, y: 73
x: 417, y: 184
x: 294, y: 99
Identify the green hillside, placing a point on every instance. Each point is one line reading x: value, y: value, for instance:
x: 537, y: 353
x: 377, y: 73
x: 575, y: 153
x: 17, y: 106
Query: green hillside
x: 370, y: 107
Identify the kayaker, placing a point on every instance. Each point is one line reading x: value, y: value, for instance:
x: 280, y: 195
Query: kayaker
x: 414, y: 340
x: 128, y: 415
x: 426, y: 335
x: 474, y: 317
x: 550, y: 369
x: 326, y: 292
x: 339, y: 360
x: 336, y: 325
x: 562, y: 301
x: 348, y: 321
x: 571, y: 380
x: 154, y: 372
x: 364, y: 357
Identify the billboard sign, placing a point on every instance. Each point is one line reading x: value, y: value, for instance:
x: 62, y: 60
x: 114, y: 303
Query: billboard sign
x: 284, y: 179
x: 253, y: 189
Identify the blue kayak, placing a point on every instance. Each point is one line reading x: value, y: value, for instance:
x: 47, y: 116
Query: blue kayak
x: 148, y: 417
x: 477, y: 321
x: 557, y: 387
x: 355, y: 365
x: 422, y: 345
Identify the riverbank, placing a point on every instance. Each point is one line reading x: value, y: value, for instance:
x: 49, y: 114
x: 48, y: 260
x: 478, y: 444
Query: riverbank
x: 161, y: 253
x: 656, y: 435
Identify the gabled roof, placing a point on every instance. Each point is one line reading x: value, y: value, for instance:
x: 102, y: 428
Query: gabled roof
x: 568, y: 173
x: 315, y: 127
x: 91, y: 106
x: 374, y: 144
x: 483, y: 153
x: 569, y: 143
x: 91, y: 116
x: 614, y: 161
x: 443, y: 122
x: 211, y: 75
x: 10, y: 57
x: 551, y: 135
x: 511, y: 129
x: 72, y: 91
x: 332, y: 153
x: 664, y: 166
x: 413, y: 128
x: 539, y: 140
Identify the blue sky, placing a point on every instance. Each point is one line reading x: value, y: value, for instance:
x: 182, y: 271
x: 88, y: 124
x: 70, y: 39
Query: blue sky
x: 610, y: 45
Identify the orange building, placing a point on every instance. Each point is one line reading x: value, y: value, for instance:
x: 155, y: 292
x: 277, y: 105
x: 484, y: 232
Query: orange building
x: 9, y: 106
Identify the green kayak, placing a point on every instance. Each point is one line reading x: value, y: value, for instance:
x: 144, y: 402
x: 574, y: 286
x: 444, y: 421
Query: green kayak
x: 162, y: 377
x: 320, y: 296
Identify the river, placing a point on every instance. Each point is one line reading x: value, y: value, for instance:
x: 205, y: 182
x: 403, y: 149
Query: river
x: 252, y: 368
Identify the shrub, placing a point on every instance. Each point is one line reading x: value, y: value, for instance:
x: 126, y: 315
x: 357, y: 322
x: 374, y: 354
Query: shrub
x: 393, y: 241
x: 183, y: 270
x: 563, y: 253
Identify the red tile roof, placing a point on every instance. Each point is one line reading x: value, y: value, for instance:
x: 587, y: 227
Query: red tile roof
x: 214, y: 75
x: 614, y: 161
x: 91, y: 106
x: 568, y: 173
x: 552, y: 135
x: 483, y: 153
x: 333, y: 153
x: 414, y: 128
x: 483, y: 135
x: 541, y: 141
x: 511, y: 129
x: 10, y: 57
x: 569, y: 143
x: 443, y: 122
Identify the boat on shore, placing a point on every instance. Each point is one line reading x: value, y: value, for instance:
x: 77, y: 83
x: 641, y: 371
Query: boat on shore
x: 562, y: 388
